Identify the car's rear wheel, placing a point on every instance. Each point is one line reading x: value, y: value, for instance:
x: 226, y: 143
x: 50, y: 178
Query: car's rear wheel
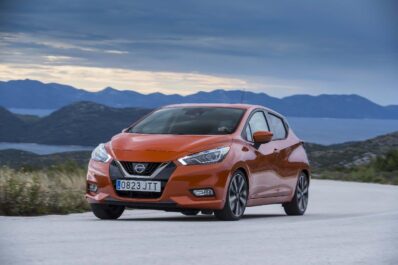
x: 237, y: 194
x: 106, y: 211
x: 298, y: 204
x: 190, y: 212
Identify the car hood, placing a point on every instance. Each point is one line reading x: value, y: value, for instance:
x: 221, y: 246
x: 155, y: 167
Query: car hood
x: 162, y: 147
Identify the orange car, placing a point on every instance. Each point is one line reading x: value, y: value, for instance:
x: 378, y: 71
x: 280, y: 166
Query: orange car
x: 213, y: 158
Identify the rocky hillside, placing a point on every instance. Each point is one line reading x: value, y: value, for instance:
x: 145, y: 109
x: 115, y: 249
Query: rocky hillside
x: 350, y: 154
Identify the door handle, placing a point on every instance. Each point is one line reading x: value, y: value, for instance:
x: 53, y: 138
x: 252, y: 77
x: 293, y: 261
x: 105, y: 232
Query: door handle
x: 276, y: 150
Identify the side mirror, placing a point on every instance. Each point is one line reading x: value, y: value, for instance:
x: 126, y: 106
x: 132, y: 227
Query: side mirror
x: 262, y: 137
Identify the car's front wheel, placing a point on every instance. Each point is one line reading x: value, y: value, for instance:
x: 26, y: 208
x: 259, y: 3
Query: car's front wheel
x: 237, y: 194
x: 106, y: 211
x: 190, y: 212
x: 298, y: 204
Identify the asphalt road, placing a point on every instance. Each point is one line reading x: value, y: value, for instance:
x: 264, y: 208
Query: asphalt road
x: 346, y: 223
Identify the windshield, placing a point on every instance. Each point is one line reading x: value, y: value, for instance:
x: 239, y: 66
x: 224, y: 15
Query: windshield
x: 190, y: 120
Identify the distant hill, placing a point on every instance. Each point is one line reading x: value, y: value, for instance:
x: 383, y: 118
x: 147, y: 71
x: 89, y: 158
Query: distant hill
x: 11, y: 126
x: 351, y: 154
x: 35, y: 94
x: 22, y: 159
x: 82, y: 123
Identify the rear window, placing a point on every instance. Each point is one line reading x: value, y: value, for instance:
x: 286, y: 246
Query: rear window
x: 190, y: 120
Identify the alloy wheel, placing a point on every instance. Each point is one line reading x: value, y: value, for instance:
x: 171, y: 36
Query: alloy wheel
x: 238, y: 195
x: 302, y: 192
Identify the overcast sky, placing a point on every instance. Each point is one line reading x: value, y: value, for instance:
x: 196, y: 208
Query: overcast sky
x: 277, y: 47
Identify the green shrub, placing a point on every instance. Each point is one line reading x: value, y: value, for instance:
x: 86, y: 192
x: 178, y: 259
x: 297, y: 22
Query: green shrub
x: 389, y: 162
x: 52, y: 191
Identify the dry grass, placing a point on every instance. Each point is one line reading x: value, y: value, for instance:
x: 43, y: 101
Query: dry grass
x: 50, y: 191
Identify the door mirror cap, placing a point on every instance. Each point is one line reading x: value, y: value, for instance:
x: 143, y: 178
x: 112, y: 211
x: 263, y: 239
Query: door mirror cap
x: 262, y: 137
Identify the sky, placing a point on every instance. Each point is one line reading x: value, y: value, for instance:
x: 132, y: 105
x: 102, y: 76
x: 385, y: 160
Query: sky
x: 277, y: 47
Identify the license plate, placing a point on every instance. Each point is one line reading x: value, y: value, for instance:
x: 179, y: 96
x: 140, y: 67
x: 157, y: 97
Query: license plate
x: 138, y: 185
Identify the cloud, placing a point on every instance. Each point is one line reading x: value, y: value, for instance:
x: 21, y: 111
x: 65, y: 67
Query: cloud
x: 116, y: 52
x: 54, y: 58
x: 285, y: 46
x: 11, y: 39
x: 94, y: 78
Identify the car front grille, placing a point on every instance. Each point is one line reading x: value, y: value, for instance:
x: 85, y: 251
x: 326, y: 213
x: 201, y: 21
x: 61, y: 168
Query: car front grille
x: 163, y: 176
x: 130, y: 167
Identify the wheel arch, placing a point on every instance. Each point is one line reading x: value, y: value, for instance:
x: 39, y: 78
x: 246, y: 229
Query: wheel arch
x: 246, y: 171
x: 306, y: 171
x: 245, y: 174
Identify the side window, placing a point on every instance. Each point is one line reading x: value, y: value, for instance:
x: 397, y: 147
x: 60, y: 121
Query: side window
x: 257, y: 123
x: 277, y: 126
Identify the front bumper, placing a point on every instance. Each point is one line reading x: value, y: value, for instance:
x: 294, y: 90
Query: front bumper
x: 176, y: 187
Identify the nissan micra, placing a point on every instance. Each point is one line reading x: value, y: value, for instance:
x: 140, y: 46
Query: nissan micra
x: 209, y: 158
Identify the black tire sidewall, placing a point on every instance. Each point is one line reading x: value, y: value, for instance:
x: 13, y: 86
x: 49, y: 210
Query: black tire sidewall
x: 107, y: 212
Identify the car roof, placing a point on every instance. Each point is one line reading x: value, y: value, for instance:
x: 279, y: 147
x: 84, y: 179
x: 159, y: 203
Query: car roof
x: 224, y: 105
x: 220, y: 105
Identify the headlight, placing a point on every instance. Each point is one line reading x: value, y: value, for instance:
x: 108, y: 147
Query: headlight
x: 205, y: 157
x: 100, y: 154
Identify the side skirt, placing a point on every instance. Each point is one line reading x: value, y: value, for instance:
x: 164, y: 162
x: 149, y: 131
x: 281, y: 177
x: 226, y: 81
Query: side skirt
x: 268, y: 200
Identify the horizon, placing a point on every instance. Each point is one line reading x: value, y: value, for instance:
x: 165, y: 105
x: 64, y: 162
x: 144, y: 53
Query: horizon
x: 181, y: 47
x: 194, y: 92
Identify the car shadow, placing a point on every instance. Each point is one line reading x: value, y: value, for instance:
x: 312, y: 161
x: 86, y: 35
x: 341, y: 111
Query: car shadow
x: 199, y: 218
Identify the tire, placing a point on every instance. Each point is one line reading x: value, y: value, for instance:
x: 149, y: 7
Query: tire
x: 190, y: 212
x: 236, y: 200
x: 298, y: 204
x: 106, y: 211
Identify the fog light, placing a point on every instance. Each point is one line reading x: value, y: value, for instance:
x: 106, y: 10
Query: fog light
x: 203, y: 192
x: 92, y: 187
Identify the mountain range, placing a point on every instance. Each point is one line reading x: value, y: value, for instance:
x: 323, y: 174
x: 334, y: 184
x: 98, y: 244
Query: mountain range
x: 32, y: 94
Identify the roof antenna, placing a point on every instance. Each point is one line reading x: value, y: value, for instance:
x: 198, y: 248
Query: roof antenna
x: 242, y: 95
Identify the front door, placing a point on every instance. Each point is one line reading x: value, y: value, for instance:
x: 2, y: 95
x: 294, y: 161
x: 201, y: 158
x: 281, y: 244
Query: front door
x: 264, y: 180
x: 282, y: 150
